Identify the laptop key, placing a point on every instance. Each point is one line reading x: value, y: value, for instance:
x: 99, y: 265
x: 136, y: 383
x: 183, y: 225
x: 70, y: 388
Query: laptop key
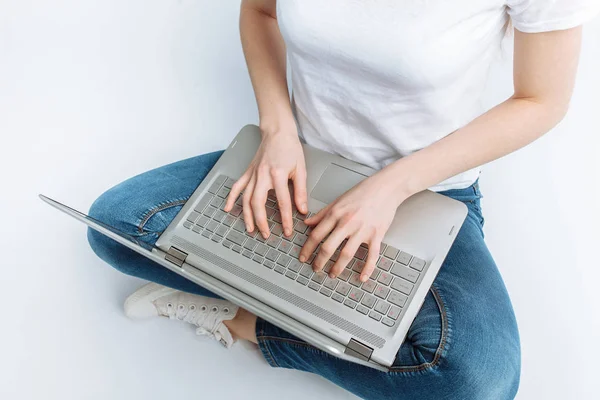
x: 273, y: 241
x: 236, y: 210
x: 397, y: 298
x: 338, y: 297
x: 193, y: 216
x: 210, y: 211
x: 369, y: 286
x: 382, y: 248
x: 295, y: 251
x: 236, y: 237
x: 216, y: 202
x: 197, y: 228
x: 221, y: 230
x: 295, y: 265
x: 284, y: 246
x: 356, y: 294
x: 387, y: 321
x: 203, y: 203
x: 403, y: 258
x: 272, y: 254
x: 375, y: 315
x: 394, y: 312
x: 391, y: 252
x: 330, y: 283
x: 300, y: 239
x: 229, y: 183
x: 362, y: 309
x: 239, y: 226
x: 319, y: 277
x: 326, y: 292
x: 385, y: 278
x: 257, y: 259
x: 227, y: 244
x: 314, y: 286
x: 350, y: 303
x: 358, y: 266
x: 202, y: 221
x: 188, y: 225
x: 284, y: 260
x: 214, y: 187
x: 247, y: 254
x: 216, y: 238
x: 261, y: 249
x: 223, y: 192
x: 229, y: 220
x: 344, y: 275
x: 417, y: 264
x: 382, y: 307
x: 361, y: 253
x: 384, y: 263
x: 369, y: 301
x: 302, y: 280
x: 355, y: 280
x: 279, y: 269
x: 219, y: 215
x: 207, y: 234
x: 269, y: 264
x: 291, y: 275
x: 402, y: 286
x: 236, y: 248
x: 306, y: 271
x: 300, y: 227
x: 343, y: 288
x: 250, y: 244
x: 405, y: 272
x: 381, y: 291
x: 277, y: 229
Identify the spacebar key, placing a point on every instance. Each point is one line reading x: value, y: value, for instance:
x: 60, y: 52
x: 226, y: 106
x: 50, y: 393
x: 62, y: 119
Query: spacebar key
x: 236, y: 237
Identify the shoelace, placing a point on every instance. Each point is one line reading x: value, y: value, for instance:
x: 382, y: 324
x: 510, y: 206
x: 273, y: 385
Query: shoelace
x: 206, y: 318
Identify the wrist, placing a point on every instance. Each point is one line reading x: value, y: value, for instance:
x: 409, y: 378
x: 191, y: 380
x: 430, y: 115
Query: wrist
x: 402, y: 184
x: 278, y: 126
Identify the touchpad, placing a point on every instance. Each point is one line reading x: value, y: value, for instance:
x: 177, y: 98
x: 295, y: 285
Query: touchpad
x: 334, y: 182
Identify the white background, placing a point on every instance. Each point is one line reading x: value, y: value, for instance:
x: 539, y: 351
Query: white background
x: 92, y: 92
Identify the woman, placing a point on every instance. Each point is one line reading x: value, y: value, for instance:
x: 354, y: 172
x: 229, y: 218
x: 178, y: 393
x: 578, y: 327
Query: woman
x: 396, y: 86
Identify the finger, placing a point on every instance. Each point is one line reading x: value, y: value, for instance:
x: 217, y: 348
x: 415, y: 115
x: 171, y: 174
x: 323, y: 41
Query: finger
x: 259, y: 199
x: 236, y: 189
x: 371, y: 261
x: 330, y: 245
x: 319, y: 233
x: 284, y: 202
x: 346, y: 255
x: 300, y: 196
x: 318, y: 217
x: 246, y: 207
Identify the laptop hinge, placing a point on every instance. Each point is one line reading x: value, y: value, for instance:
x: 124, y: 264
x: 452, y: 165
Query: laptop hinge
x: 358, y: 350
x: 176, y: 256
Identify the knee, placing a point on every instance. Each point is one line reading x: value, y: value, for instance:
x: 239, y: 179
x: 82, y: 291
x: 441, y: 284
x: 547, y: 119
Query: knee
x: 484, y: 371
x: 111, y: 209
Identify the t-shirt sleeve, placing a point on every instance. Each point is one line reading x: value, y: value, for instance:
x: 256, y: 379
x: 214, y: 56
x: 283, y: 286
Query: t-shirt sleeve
x: 531, y: 16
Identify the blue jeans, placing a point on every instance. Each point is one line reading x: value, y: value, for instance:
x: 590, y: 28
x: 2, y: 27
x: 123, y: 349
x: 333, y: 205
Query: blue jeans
x: 464, y: 343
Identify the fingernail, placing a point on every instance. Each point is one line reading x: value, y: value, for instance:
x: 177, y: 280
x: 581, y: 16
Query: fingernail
x: 264, y: 235
x: 302, y: 258
x: 363, y: 278
x: 303, y: 207
x: 287, y: 232
x: 332, y: 276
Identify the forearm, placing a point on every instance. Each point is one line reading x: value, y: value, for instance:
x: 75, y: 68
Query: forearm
x: 503, y: 129
x: 264, y: 50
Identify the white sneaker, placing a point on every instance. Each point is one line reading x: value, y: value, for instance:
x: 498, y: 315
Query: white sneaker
x: 206, y: 313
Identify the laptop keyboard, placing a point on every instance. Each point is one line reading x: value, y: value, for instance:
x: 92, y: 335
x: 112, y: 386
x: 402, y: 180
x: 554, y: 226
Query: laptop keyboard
x: 381, y: 298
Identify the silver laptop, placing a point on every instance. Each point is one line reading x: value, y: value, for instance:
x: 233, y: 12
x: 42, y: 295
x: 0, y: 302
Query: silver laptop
x: 360, y: 322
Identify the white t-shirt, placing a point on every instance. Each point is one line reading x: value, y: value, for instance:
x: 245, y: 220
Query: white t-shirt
x: 376, y: 80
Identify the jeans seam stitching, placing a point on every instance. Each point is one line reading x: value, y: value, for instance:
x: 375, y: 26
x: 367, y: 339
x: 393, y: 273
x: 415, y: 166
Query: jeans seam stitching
x: 155, y: 210
x: 443, y: 340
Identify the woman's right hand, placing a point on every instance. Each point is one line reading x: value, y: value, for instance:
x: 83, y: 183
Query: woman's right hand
x: 278, y: 159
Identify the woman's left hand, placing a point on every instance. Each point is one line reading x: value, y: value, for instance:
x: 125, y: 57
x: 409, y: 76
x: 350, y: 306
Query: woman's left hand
x: 362, y: 215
